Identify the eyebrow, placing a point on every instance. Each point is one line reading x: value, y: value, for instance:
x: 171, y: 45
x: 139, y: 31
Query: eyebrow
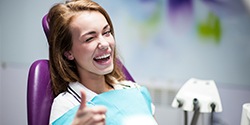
x: 105, y: 27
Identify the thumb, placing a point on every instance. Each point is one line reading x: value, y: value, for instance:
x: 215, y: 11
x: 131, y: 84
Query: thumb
x: 83, y: 100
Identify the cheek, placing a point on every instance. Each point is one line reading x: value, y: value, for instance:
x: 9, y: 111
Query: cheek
x: 81, y: 52
x: 112, y: 42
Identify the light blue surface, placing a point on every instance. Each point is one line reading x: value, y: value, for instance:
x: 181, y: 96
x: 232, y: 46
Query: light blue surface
x: 126, y: 106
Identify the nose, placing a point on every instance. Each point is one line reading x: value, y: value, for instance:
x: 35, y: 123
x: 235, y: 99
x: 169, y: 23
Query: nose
x: 103, y: 43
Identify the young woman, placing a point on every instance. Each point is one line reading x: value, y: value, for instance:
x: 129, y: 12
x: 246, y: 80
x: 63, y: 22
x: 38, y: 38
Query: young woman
x: 88, y: 84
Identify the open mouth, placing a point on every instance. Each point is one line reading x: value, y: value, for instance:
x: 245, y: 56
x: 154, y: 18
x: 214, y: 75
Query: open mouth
x: 102, y: 58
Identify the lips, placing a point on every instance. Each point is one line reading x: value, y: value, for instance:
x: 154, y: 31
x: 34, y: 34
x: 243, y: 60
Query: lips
x: 102, y: 58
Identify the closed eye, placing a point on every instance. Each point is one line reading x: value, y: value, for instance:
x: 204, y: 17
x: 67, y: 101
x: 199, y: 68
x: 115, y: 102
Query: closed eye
x: 106, y: 30
x: 89, y: 39
x: 107, y: 33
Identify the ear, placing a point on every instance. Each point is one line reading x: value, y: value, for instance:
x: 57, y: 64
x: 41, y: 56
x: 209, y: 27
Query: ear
x: 68, y: 55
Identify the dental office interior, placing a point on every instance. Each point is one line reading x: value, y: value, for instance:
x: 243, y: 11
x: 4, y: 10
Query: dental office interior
x: 162, y: 43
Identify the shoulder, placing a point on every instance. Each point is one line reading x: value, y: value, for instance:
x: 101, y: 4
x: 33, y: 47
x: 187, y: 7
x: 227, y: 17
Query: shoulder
x: 65, y: 97
x: 61, y: 104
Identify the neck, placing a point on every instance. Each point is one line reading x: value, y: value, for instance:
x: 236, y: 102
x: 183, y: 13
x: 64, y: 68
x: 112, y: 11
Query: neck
x: 96, y: 84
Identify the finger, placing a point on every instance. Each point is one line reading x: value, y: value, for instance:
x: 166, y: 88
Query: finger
x: 91, y: 111
x: 91, y: 115
x: 99, y: 109
x: 83, y: 100
x: 97, y: 119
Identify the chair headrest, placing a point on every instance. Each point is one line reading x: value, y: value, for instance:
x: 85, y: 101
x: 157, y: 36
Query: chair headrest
x: 45, y: 26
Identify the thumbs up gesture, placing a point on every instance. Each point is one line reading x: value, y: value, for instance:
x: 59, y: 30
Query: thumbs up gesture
x: 89, y: 115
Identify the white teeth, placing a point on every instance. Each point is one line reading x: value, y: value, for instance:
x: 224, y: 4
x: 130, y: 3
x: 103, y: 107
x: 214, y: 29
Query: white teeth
x: 103, y: 56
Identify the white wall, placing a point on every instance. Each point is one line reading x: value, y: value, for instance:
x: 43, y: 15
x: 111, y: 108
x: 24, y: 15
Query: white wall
x: 13, y: 99
x: 21, y: 42
x: 233, y: 97
x: 0, y: 73
x: 23, y: 39
x: 0, y: 66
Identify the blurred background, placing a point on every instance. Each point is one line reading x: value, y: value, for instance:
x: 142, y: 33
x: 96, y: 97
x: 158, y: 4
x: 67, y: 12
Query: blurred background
x: 163, y: 43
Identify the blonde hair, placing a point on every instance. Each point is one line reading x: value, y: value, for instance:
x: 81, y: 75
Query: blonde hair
x: 64, y: 71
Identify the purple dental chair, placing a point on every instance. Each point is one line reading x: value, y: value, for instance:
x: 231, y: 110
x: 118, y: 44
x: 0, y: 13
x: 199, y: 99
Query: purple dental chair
x: 39, y: 93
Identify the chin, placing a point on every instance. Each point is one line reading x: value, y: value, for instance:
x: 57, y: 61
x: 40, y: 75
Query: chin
x: 107, y: 70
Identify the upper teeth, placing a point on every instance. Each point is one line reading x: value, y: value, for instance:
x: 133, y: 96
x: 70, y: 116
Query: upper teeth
x: 103, y: 56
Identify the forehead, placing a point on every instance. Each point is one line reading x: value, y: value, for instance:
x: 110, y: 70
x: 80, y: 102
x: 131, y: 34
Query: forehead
x: 88, y: 20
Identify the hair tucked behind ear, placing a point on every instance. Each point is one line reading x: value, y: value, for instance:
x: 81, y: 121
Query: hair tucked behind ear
x: 63, y: 71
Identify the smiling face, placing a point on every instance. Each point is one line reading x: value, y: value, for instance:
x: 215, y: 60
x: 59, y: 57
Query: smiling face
x: 93, y: 44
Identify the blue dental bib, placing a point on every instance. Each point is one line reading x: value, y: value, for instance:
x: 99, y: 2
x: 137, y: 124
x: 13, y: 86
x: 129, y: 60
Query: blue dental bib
x: 124, y: 107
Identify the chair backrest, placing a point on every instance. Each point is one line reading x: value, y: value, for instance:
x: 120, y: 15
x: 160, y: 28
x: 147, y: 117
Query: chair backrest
x: 39, y: 93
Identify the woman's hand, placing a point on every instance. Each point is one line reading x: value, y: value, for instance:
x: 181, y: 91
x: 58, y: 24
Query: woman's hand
x: 89, y: 115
